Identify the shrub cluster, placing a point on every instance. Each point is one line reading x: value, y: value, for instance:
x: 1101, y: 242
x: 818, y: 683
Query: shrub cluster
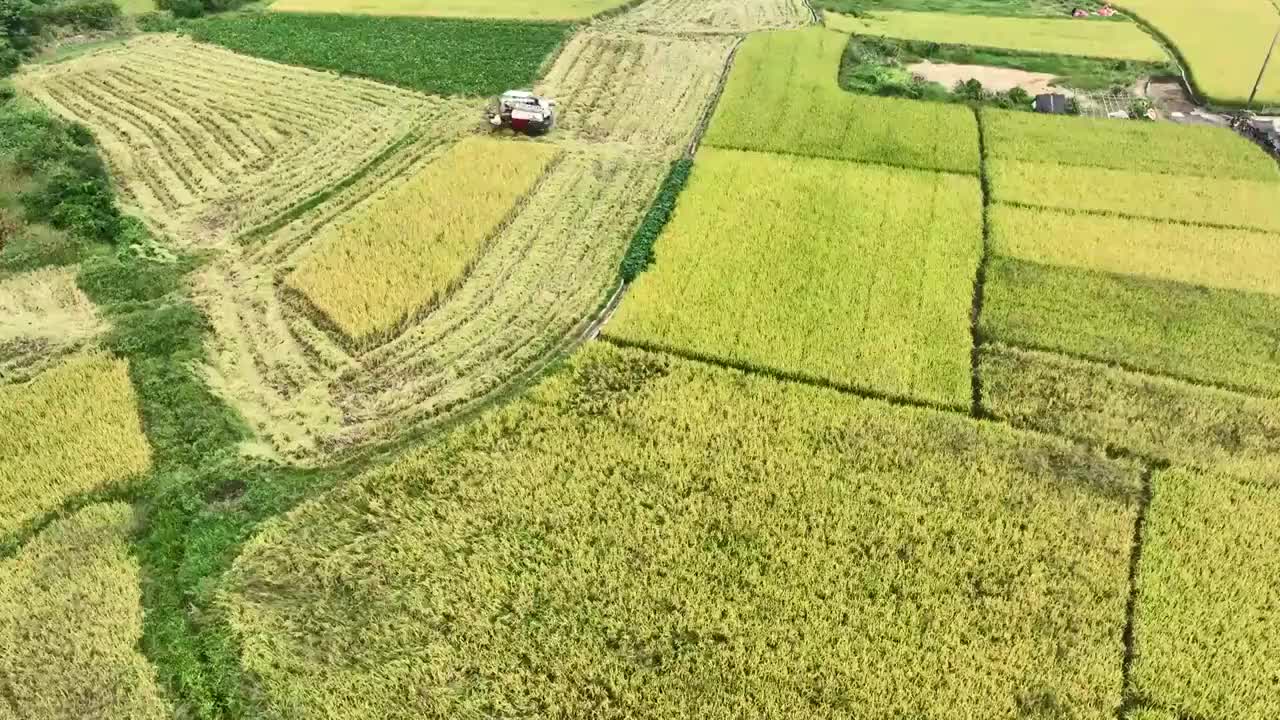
x: 23, y: 21
x: 640, y: 253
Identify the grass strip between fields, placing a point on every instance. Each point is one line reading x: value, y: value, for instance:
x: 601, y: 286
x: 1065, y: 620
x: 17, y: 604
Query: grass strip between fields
x: 671, y: 575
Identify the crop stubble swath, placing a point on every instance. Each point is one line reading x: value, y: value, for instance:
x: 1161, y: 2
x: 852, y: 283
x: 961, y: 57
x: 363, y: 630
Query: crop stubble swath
x: 1064, y: 36
x: 42, y: 316
x: 852, y: 274
x: 71, y: 622
x: 73, y: 429
x: 782, y: 96
x: 712, y: 16
x: 207, y: 144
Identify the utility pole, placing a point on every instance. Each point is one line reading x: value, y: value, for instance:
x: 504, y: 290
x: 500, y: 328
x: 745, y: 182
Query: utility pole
x: 1263, y: 71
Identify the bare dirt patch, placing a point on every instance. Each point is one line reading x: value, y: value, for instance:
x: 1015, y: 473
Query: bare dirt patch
x: 995, y: 79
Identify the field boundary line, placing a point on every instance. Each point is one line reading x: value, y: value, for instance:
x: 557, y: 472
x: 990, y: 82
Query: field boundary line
x: 892, y: 166
x: 783, y: 375
x: 708, y: 112
x: 1131, y: 368
x: 1128, y: 700
x: 977, y: 409
x: 1143, y: 218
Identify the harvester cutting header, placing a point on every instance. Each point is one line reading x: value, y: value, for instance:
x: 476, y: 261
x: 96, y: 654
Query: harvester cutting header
x: 524, y: 112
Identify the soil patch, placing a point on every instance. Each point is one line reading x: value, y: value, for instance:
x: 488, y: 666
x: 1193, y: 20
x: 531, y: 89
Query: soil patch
x: 995, y: 79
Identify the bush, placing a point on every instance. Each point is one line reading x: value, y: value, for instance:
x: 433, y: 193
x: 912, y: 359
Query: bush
x: 71, y: 200
x: 184, y: 8
x: 156, y: 22
x: 80, y: 14
x: 10, y: 59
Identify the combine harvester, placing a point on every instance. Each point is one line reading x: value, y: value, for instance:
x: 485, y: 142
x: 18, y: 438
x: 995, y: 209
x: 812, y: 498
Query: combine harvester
x: 522, y: 111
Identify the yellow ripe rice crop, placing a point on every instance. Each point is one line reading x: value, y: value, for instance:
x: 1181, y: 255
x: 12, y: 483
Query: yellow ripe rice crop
x: 644, y: 537
x: 1235, y: 203
x: 1059, y: 36
x: 1139, y: 146
x: 71, y: 621
x: 782, y: 97
x: 73, y: 429
x: 1224, y: 43
x: 401, y: 254
x: 853, y: 274
x: 1206, y: 256
x: 499, y: 9
x: 1207, y: 619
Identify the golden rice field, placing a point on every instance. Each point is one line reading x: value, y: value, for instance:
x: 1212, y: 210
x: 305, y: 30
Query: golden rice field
x: 647, y: 91
x: 42, y: 316
x: 73, y: 429
x: 1253, y: 204
x: 1205, y: 256
x: 712, y: 16
x: 855, y: 275
x: 206, y: 144
x: 401, y: 256
x: 1060, y: 36
x: 544, y: 10
x: 71, y: 621
x: 1224, y: 43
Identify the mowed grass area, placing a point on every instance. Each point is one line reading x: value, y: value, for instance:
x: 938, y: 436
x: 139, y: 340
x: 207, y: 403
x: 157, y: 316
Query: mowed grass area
x: 73, y: 429
x: 1224, y: 47
x: 1206, y: 618
x: 439, y: 56
x: 400, y: 255
x: 713, y: 540
x: 1253, y: 204
x: 855, y: 275
x: 1157, y: 417
x: 782, y: 96
x: 70, y: 623
x: 498, y: 9
x: 1211, y: 152
x: 1064, y: 36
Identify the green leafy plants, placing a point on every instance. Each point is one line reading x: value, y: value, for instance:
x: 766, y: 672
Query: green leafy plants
x: 639, y: 254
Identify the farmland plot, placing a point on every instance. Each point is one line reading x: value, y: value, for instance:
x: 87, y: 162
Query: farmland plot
x: 503, y: 9
x: 782, y: 96
x: 71, y: 621
x: 712, y: 16
x: 856, y: 275
x: 42, y: 315
x: 207, y: 144
x: 732, y: 537
x: 647, y: 91
x: 1183, y: 423
x: 71, y: 430
x: 1063, y: 36
x: 1253, y: 204
x: 1206, y: 618
x: 1136, y: 146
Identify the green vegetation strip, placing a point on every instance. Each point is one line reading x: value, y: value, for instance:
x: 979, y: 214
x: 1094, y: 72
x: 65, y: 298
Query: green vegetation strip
x: 1152, y: 416
x: 1063, y: 35
x: 547, y: 10
x: 1206, y: 619
x: 782, y: 96
x: 70, y: 621
x: 1136, y: 146
x: 1217, y: 337
x: 711, y: 539
x: 1251, y: 204
x: 446, y: 57
x: 859, y: 276
x: 639, y: 255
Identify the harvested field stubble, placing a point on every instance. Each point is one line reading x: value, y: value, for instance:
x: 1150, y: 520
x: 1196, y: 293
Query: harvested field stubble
x: 207, y: 144
x: 1158, y: 417
x: 713, y: 16
x: 71, y: 621
x: 1206, y: 619
x: 73, y: 429
x: 42, y: 315
x: 1251, y: 204
x: 782, y: 96
x: 734, y: 539
x: 851, y: 274
x: 1137, y: 146
x: 400, y: 256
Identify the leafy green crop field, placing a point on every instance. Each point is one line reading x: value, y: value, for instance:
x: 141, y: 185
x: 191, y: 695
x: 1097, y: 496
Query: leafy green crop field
x: 1206, y: 618
x: 733, y: 539
x: 1062, y: 35
x: 782, y: 96
x: 1253, y: 204
x: 1210, y: 257
x: 1158, y: 417
x: 70, y: 623
x: 1218, y: 337
x: 1137, y: 146
x: 546, y: 10
x: 439, y: 56
x: 851, y: 274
